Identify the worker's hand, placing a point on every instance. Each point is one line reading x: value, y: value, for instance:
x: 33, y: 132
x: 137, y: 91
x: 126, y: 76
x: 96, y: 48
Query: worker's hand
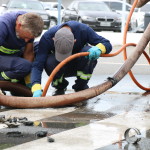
x: 37, y: 93
x: 94, y: 53
x: 36, y: 90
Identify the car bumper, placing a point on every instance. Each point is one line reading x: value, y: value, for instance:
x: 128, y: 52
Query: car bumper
x: 111, y: 26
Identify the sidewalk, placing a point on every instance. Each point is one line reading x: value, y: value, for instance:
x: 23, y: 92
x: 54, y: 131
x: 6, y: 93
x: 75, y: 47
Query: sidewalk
x: 117, y: 38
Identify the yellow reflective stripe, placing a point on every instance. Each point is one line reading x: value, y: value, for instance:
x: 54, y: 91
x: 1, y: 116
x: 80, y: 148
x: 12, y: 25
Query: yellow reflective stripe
x: 7, y: 78
x: 55, y: 83
x: 101, y: 47
x: 83, y: 76
x: 4, y: 76
x: 8, y: 51
x: 14, y: 80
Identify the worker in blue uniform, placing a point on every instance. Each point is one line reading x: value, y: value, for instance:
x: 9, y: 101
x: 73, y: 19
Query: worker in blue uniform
x: 58, y: 43
x: 17, y: 33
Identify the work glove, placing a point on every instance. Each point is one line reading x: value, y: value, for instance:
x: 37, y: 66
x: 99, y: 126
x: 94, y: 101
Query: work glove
x: 36, y: 90
x: 37, y: 93
x: 94, y: 53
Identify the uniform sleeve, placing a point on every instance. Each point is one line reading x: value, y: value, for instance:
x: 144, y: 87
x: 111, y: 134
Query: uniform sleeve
x: 3, y: 33
x: 40, y: 59
x: 93, y: 38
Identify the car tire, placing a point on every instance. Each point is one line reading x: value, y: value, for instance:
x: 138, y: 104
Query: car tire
x: 53, y: 22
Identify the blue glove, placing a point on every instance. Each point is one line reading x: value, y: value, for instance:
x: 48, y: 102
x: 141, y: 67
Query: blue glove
x: 94, y: 53
x: 37, y: 93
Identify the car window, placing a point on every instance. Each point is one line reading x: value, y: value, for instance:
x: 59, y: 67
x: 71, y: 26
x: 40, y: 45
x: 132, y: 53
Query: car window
x: 71, y: 5
x: 26, y: 5
x: 93, y: 6
x: 56, y: 6
x: 117, y: 6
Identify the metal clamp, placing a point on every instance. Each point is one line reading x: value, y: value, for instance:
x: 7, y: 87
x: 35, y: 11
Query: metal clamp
x: 132, y: 139
x: 113, y: 81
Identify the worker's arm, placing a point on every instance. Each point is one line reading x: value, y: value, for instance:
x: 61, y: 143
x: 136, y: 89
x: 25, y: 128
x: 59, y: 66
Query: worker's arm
x: 29, y: 55
x: 29, y: 52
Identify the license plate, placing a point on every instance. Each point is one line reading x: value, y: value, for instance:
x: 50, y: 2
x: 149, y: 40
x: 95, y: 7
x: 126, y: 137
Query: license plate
x: 105, y: 24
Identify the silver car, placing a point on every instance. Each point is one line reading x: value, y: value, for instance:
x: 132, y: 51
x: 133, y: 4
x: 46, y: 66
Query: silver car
x: 28, y: 6
x: 52, y: 9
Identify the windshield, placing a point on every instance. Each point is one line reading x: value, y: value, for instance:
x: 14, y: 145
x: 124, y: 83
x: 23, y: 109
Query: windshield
x: 93, y: 6
x: 26, y: 5
x: 145, y: 8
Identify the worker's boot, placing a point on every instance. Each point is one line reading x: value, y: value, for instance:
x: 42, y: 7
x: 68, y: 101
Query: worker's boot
x: 59, y: 92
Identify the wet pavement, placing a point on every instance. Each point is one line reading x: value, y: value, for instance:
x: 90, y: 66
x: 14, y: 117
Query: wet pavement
x: 96, y: 124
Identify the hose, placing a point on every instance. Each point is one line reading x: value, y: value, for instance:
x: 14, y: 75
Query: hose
x: 124, y: 42
x: 141, y: 3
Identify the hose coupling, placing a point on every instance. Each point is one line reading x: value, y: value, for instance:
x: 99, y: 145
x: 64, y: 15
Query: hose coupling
x: 113, y: 81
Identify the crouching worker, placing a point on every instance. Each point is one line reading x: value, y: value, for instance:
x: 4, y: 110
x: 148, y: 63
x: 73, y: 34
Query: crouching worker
x: 60, y: 42
x: 17, y: 33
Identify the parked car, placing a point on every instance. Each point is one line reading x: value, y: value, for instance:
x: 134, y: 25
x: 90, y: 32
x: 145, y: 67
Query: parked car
x: 93, y: 13
x: 117, y: 5
x: 140, y: 16
x: 34, y: 6
x: 52, y: 9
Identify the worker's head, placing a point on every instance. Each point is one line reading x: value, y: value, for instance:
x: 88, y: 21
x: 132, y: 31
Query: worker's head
x: 63, y: 41
x: 29, y: 26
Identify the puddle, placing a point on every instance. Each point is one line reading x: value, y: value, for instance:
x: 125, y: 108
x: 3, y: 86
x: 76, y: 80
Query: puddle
x: 53, y: 125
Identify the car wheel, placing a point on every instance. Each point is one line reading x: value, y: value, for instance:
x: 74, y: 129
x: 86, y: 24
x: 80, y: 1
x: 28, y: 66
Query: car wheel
x: 53, y: 22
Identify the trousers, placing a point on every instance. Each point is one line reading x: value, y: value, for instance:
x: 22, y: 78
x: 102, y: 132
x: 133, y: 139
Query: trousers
x: 14, y: 67
x: 81, y: 68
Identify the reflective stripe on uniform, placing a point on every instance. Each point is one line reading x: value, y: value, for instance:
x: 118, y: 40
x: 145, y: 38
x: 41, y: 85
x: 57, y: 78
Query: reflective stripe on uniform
x: 7, y: 78
x: 57, y: 81
x: 4, y: 76
x: 8, y: 51
x: 83, y: 76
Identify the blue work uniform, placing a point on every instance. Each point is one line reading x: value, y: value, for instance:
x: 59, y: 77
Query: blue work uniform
x: 12, y: 66
x: 81, y: 67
